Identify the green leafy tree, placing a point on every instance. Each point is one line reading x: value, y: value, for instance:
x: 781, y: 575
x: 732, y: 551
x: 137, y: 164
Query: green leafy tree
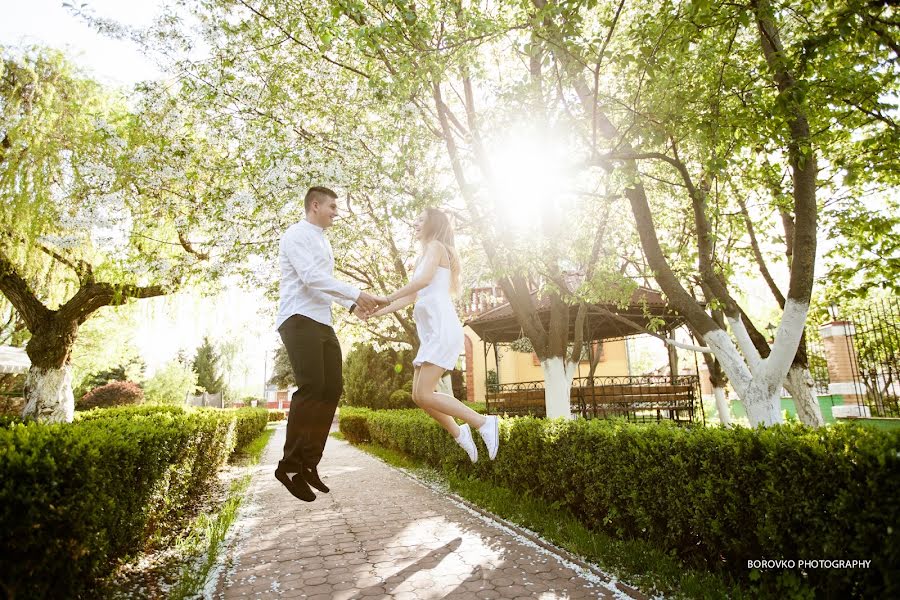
x: 372, y: 376
x: 291, y: 136
x: 131, y: 371
x: 171, y: 383
x: 669, y: 114
x: 105, y: 342
x: 102, y: 204
x: 689, y: 92
x: 282, y: 373
x: 380, y: 143
x: 868, y: 252
x: 206, y: 366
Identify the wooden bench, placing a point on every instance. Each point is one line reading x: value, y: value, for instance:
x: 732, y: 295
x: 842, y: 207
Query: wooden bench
x: 518, y: 402
x: 639, y: 402
x: 636, y: 402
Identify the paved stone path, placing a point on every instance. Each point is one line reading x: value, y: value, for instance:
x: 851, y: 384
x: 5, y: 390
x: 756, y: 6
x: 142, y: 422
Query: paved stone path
x: 380, y: 534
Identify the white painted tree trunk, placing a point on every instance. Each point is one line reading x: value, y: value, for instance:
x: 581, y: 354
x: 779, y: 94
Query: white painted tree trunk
x: 558, y: 376
x: 48, y: 395
x: 758, y: 391
x: 763, y: 404
x: 800, y: 384
x: 758, y: 381
x: 722, y: 406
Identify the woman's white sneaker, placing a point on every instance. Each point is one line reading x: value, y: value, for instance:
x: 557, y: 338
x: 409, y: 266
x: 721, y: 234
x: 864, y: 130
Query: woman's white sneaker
x: 468, y: 444
x: 490, y: 433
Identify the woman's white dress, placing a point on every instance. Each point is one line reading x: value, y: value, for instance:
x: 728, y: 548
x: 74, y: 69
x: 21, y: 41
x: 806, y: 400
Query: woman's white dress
x: 440, y: 332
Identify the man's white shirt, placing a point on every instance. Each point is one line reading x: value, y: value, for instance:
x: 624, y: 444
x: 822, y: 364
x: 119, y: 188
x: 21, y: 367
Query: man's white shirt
x: 308, y: 286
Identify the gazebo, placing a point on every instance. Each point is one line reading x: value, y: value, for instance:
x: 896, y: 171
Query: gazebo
x: 13, y: 360
x: 13, y: 364
x: 637, y: 398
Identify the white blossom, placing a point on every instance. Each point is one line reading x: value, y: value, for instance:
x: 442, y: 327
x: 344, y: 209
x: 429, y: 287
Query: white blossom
x: 60, y: 241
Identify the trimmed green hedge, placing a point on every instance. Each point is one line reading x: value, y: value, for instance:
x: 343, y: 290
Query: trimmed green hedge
x: 276, y: 414
x: 715, y: 497
x: 77, y: 497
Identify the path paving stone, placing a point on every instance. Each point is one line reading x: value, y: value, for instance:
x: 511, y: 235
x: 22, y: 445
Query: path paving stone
x: 379, y: 534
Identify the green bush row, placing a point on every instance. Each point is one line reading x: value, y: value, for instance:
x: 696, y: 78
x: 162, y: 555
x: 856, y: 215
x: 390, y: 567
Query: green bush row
x: 716, y: 497
x: 77, y: 497
x: 277, y: 415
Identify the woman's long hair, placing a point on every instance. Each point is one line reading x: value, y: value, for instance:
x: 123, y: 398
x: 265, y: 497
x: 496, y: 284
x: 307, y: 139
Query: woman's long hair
x: 438, y: 227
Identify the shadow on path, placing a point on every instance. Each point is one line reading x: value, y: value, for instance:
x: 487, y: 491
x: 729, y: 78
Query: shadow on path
x: 427, y: 562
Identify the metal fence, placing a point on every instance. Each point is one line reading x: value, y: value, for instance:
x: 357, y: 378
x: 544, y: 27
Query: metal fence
x: 818, y: 364
x: 217, y: 400
x: 875, y: 338
x: 637, y: 399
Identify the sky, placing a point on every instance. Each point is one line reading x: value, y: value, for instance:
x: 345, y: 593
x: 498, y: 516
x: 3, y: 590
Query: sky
x: 48, y: 23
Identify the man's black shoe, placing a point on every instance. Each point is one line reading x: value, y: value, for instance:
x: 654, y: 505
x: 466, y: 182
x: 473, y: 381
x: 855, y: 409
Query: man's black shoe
x: 297, y: 486
x: 312, y: 478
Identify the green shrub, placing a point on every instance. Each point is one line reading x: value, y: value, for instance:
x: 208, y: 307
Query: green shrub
x: 131, y: 370
x: 114, y: 393
x: 276, y: 414
x: 715, y: 497
x: 458, y: 384
x: 370, y: 377
x: 171, y: 383
x: 354, y: 424
x: 479, y: 407
x: 400, y: 399
x: 129, y: 411
x: 77, y: 497
x: 250, y: 422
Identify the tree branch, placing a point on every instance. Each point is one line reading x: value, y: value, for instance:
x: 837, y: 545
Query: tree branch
x: 94, y: 296
x: 302, y: 44
x: 186, y: 244
x: 757, y: 253
x: 20, y: 295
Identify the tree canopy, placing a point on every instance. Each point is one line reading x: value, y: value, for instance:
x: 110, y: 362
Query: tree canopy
x: 687, y: 144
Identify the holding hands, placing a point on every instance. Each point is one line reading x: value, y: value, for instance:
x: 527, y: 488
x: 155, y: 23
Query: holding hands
x: 366, y: 304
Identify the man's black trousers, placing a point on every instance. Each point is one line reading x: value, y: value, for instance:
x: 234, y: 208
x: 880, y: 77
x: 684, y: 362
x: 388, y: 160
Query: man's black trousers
x: 315, y: 356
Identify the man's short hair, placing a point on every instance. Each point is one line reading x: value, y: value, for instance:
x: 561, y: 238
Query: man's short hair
x: 318, y: 194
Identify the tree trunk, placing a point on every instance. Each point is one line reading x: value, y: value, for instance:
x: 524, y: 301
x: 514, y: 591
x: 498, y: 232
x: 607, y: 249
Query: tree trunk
x: 763, y: 406
x: 718, y: 380
x: 800, y: 384
x: 48, y: 386
x: 48, y: 395
x: 757, y: 389
x: 673, y: 360
x: 557, y: 386
x: 722, y: 406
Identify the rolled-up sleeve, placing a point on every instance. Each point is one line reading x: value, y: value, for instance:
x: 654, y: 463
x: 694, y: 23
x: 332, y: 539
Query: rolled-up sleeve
x: 299, y: 250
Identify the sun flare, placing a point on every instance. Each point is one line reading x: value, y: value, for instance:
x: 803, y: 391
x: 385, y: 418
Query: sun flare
x: 529, y: 171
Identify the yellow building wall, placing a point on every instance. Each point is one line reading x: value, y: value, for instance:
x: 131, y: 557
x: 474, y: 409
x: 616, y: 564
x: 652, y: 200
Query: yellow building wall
x: 517, y: 367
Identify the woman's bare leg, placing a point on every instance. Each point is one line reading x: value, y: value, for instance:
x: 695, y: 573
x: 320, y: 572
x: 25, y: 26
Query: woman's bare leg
x: 439, y: 405
x: 445, y: 421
